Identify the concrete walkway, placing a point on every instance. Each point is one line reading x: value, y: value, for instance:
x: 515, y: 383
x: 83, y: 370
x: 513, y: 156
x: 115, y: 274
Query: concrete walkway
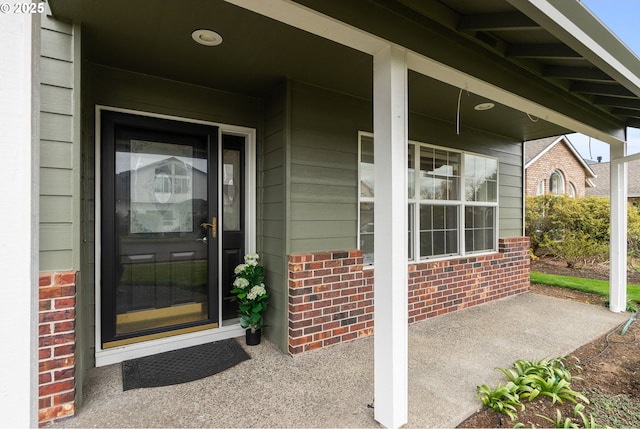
x: 448, y: 357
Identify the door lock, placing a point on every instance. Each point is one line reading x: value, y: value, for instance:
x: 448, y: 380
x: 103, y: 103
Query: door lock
x: 213, y: 225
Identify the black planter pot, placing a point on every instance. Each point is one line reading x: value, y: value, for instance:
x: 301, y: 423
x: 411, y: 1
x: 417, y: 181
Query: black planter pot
x: 253, y: 338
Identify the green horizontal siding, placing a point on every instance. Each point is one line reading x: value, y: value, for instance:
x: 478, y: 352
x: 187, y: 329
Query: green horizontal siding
x: 56, y: 154
x: 56, y: 181
x: 324, y: 168
x: 59, y: 176
x: 272, y: 199
x: 57, y: 45
x: 56, y: 72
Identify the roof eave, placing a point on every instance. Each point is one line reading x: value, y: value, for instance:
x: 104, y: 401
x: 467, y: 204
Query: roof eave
x: 573, y: 24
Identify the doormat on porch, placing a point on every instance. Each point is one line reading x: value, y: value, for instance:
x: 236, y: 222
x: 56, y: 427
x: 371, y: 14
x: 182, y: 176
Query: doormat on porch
x: 181, y: 366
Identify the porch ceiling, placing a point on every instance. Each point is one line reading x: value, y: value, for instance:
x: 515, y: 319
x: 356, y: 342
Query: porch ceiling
x: 154, y: 37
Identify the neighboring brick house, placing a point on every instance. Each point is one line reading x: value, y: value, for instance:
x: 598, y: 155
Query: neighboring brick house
x: 602, y: 187
x: 552, y: 165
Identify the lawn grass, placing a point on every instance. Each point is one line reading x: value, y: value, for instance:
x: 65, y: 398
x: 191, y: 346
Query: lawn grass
x: 600, y: 287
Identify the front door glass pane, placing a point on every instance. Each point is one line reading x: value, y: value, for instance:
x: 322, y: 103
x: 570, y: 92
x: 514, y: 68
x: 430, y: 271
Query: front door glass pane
x: 231, y: 190
x: 161, y: 202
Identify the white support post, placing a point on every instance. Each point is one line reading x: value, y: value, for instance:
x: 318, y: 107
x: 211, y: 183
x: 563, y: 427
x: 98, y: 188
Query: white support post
x: 390, y: 96
x: 19, y: 105
x: 618, y: 242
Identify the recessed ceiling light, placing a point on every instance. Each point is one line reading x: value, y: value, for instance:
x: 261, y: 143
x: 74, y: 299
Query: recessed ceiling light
x: 485, y: 106
x: 207, y: 37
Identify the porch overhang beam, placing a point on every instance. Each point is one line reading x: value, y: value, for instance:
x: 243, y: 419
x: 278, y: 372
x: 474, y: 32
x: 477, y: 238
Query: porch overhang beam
x: 304, y: 18
x: 315, y: 22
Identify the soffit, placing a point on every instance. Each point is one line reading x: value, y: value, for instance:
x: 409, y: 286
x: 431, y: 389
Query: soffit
x: 509, y: 33
x: 154, y: 37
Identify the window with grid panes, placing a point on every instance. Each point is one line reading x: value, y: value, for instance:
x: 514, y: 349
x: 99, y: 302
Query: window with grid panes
x: 452, y: 201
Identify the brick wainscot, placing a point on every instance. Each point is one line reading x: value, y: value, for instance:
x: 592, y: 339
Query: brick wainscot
x: 331, y: 294
x: 56, y: 348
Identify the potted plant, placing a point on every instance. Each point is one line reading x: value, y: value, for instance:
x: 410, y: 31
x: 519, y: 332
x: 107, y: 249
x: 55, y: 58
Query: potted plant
x: 252, y: 296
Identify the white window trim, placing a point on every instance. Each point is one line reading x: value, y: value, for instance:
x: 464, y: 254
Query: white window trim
x: 415, y: 204
x: 131, y: 351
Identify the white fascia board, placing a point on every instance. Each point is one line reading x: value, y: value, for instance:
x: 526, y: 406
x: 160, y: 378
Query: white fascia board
x: 588, y: 40
x: 579, y: 157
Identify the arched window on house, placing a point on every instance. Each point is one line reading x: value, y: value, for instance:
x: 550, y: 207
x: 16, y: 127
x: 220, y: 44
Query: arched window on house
x: 556, y: 183
x: 540, y: 190
x: 572, y: 190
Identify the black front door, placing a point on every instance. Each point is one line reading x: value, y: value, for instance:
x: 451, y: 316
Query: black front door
x: 159, y: 252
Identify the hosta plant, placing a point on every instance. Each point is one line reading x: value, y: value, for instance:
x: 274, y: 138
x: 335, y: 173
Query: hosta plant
x: 502, y: 399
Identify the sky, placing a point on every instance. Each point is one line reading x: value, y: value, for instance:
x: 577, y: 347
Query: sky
x: 621, y: 16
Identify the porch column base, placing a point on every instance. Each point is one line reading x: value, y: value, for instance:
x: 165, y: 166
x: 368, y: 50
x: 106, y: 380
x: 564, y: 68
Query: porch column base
x: 56, y: 347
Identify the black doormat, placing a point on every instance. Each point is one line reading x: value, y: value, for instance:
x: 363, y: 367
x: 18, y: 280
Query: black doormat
x: 181, y: 366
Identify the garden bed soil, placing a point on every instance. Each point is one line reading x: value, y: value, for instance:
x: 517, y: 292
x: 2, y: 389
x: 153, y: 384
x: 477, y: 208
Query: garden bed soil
x: 610, y: 374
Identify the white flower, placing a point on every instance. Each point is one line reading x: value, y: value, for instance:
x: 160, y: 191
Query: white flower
x: 240, y: 268
x: 257, y: 291
x: 251, y: 259
x: 241, y: 282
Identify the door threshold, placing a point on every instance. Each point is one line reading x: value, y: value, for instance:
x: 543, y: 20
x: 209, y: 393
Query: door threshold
x: 120, y: 353
x: 155, y: 336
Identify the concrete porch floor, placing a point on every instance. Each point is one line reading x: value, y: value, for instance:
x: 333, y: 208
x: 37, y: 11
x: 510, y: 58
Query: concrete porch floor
x: 448, y: 357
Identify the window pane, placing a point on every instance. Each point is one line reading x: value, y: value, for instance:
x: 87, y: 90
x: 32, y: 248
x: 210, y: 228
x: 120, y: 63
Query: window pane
x: 425, y: 217
x: 452, y: 218
x: 410, y: 232
x: 452, y: 242
x: 411, y: 172
x: 366, y: 232
x: 427, y: 184
x: 438, y: 217
x: 231, y: 190
x: 439, y: 174
x: 367, y: 172
x: 489, y: 241
x: 479, y: 229
x: 426, y: 239
x: 439, y: 224
x: 438, y: 243
x: 556, y: 183
x: 481, y: 178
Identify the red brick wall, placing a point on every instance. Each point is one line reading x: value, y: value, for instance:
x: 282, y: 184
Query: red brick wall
x: 56, y: 396
x: 559, y: 157
x: 331, y: 296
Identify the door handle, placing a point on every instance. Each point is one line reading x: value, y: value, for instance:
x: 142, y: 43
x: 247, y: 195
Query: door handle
x: 213, y: 225
x: 203, y: 239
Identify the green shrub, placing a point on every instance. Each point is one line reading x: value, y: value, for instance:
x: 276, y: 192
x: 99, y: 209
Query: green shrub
x: 575, y: 229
